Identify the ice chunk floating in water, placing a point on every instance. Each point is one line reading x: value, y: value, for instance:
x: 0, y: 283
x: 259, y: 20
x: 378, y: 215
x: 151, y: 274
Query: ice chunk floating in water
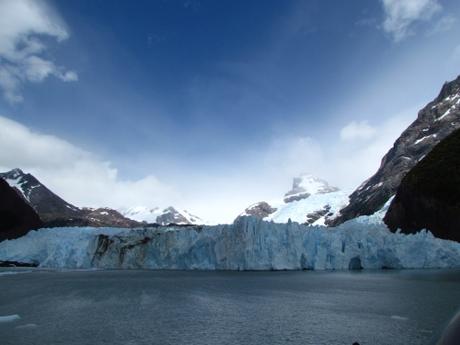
x: 247, y: 244
x: 9, y: 318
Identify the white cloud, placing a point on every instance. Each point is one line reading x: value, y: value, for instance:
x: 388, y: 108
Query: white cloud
x: 344, y: 163
x: 357, y: 130
x: 23, y: 25
x: 401, y: 15
x: 215, y: 193
x: 352, y: 162
x: 78, y: 176
x: 442, y: 25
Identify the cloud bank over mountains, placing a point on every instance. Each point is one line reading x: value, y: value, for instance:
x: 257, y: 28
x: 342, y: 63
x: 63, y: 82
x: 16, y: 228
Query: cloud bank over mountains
x: 85, y: 179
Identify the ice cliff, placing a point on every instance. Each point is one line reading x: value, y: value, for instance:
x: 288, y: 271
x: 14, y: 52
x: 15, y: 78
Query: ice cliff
x: 247, y: 244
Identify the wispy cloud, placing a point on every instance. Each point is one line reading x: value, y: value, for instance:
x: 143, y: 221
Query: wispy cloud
x: 23, y: 26
x: 357, y: 130
x: 401, y: 15
x: 442, y: 25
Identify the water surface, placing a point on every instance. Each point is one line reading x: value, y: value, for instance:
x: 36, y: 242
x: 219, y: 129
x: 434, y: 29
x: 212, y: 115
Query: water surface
x: 257, y: 308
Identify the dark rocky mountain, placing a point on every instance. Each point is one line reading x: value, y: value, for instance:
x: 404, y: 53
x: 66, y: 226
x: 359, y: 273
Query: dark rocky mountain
x: 104, y: 216
x: 17, y: 217
x: 260, y: 210
x: 54, y: 211
x: 96, y: 217
x: 429, y: 195
x: 434, y: 123
x: 47, y: 204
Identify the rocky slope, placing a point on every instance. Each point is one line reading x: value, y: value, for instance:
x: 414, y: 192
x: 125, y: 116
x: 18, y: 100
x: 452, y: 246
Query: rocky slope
x: 310, y: 201
x: 48, y: 205
x: 16, y: 215
x: 259, y: 210
x: 434, y: 123
x: 54, y: 211
x: 166, y: 216
x: 429, y: 195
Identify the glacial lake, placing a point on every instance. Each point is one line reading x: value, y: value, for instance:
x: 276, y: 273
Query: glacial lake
x: 226, y: 308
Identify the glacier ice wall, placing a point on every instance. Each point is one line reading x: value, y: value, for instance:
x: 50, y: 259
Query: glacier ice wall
x: 247, y: 244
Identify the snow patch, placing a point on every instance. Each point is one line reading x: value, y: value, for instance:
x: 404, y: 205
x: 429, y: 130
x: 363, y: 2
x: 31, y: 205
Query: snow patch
x: 297, y: 211
x: 17, y: 183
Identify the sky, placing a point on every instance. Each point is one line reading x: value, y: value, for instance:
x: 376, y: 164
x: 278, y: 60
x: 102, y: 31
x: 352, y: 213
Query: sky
x: 213, y: 105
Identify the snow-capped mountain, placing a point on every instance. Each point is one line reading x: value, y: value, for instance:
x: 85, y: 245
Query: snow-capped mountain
x: 166, y: 216
x: 311, y: 201
x: 435, y: 122
x: 55, y: 211
x: 48, y: 205
x: 306, y: 185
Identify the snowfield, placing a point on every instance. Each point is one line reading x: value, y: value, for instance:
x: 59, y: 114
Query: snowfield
x: 247, y: 244
x: 299, y: 209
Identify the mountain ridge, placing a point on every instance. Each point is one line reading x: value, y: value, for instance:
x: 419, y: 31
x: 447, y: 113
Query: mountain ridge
x: 434, y: 122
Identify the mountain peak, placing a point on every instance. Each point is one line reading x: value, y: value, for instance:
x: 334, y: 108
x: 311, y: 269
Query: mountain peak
x: 305, y: 185
x: 168, y: 215
x: 16, y: 172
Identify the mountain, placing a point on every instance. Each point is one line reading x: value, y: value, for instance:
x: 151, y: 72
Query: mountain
x: 429, y: 195
x: 434, y: 123
x: 306, y: 185
x: 17, y: 217
x: 260, y: 210
x: 47, y: 204
x: 155, y: 215
x: 310, y: 200
x: 54, y: 211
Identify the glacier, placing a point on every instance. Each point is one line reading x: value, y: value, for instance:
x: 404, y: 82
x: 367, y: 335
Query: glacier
x: 247, y: 244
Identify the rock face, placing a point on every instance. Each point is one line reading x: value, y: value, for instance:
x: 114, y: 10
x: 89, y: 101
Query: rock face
x: 434, y: 123
x: 167, y: 216
x: 16, y: 216
x: 54, y: 211
x: 314, y: 216
x: 260, y: 210
x: 429, y: 195
x: 248, y: 244
x: 96, y: 217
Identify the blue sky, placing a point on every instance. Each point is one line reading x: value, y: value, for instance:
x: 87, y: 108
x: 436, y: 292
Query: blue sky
x: 212, y: 105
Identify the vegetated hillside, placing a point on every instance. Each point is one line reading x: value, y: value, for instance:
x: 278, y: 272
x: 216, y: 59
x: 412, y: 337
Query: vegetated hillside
x: 429, y: 195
